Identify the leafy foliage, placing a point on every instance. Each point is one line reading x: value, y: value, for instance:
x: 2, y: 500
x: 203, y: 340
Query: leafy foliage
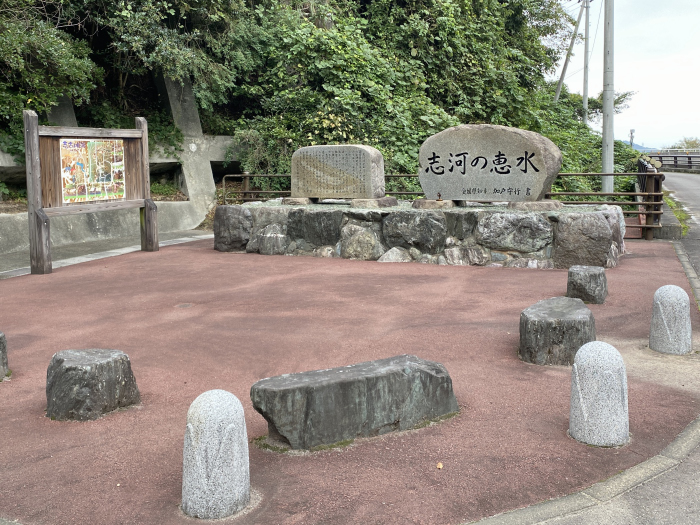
x: 282, y: 74
x: 687, y: 143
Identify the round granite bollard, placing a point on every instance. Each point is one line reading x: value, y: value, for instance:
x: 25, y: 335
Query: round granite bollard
x: 4, y: 369
x: 670, y: 321
x: 598, y: 414
x: 215, y: 469
x: 552, y: 330
x: 587, y: 283
x: 86, y: 384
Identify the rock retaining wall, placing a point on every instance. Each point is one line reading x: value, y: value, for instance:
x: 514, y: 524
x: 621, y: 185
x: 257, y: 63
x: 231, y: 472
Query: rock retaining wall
x: 484, y: 235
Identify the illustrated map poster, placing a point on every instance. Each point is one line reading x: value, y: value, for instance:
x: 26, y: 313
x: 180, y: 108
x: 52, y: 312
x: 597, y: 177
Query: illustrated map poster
x: 92, y: 170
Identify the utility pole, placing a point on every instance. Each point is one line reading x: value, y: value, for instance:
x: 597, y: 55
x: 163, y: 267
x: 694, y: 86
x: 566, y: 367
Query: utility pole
x: 568, y: 56
x: 587, y: 7
x: 608, y: 97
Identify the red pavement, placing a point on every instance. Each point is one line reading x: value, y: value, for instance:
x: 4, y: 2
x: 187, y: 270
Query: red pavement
x: 193, y: 319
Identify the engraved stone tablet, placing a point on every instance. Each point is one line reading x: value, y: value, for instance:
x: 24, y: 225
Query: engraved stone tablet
x: 486, y: 163
x: 345, y: 171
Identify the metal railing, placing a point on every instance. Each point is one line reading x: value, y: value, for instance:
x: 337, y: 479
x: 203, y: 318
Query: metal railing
x: 647, y: 203
x: 678, y: 161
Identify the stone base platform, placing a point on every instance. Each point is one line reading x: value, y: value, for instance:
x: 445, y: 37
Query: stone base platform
x: 483, y: 235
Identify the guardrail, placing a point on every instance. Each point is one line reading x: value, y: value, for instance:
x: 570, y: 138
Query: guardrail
x: 678, y: 161
x: 648, y: 203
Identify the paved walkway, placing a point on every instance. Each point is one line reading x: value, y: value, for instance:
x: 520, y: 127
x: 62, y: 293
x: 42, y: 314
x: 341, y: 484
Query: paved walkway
x: 498, y: 454
x: 15, y: 264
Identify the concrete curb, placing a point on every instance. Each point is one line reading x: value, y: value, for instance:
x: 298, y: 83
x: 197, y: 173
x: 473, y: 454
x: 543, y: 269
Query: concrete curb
x: 606, y: 490
x: 693, y: 278
x: 669, y: 458
x: 102, y: 255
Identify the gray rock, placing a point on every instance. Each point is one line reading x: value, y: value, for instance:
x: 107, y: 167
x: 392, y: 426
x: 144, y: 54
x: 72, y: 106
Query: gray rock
x: 616, y: 221
x: 296, y: 201
x: 263, y: 218
x: 232, y: 228
x: 598, y: 412
x: 325, y: 251
x: 552, y: 330
x: 323, y: 407
x: 441, y: 260
x: 461, y: 223
x: 587, y: 283
x: 215, y: 466
x: 546, y: 264
x: 383, y: 202
x: 477, y: 255
x: 428, y: 204
x: 272, y: 240
x: 86, y: 384
x: 426, y: 258
x: 581, y: 239
x: 295, y: 223
x: 4, y: 368
x: 365, y: 245
x: 396, y: 254
x: 546, y: 205
x: 415, y: 253
x: 424, y: 230
x: 455, y: 256
x: 514, y: 231
x: 613, y: 256
x: 498, y: 256
x: 483, y: 162
x: 365, y: 215
x: 322, y: 227
x: 671, y: 331
x: 343, y: 171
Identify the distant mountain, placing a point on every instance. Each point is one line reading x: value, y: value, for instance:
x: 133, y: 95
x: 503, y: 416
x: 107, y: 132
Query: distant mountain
x: 644, y: 149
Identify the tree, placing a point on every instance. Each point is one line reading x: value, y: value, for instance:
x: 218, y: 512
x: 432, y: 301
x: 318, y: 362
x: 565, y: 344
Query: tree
x: 687, y: 143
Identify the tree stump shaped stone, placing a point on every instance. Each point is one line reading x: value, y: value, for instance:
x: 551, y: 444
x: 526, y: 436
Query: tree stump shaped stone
x: 671, y: 331
x: 552, y: 330
x: 587, y: 283
x: 86, y: 384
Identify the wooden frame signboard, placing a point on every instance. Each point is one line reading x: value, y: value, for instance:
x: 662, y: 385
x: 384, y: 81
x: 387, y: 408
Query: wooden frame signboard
x: 85, y: 170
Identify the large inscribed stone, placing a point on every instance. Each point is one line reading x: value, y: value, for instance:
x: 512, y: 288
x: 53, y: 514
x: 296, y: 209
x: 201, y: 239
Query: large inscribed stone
x: 344, y: 171
x: 483, y: 162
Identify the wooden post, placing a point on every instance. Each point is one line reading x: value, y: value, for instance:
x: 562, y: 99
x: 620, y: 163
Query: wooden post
x: 39, y: 244
x: 149, y: 227
x: 43, y: 236
x: 649, y: 232
x: 149, y: 213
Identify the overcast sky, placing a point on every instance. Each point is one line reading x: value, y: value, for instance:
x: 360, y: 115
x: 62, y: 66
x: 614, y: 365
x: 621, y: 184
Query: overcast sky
x: 657, y: 55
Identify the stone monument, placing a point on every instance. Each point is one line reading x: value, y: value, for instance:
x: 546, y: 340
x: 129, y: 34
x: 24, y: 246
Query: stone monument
x: 338, y: 172
x: 670, y: 321
x: 599, y: 414
x: 4, y: 370
x: 86, y: 384
x: 215, y: 466
x: 483, y: 162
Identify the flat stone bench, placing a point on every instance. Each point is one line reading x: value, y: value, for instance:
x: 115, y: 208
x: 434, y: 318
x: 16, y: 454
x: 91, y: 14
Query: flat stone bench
x: 552, y: 331
x: 323, y: 407
x: 86, y: 384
